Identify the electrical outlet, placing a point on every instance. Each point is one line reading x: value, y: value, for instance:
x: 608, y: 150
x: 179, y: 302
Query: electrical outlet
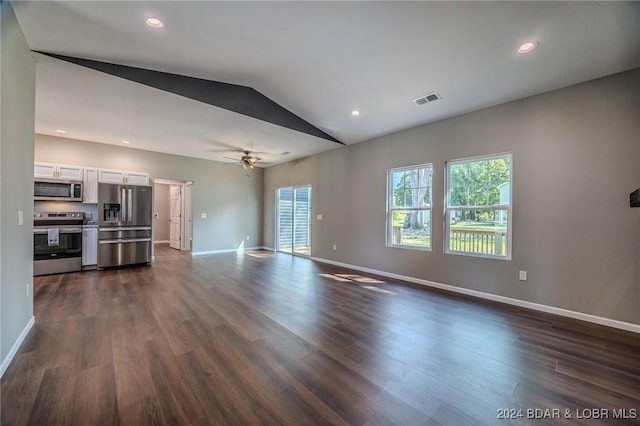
x: 523, y: 275
x: 28, y: 289
x: 319, y: 217
x: 335, y: 247
x: 203, y: 215
x: 20, y: 218
x: 247, y: 238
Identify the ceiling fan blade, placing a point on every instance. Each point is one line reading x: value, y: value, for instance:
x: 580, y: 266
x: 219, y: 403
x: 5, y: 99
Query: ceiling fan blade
x: 221, y: 150
x: 234, y: 159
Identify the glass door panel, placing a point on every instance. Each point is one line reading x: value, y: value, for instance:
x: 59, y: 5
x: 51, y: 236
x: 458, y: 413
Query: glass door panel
x: 285, y: 220
x: 301, y: 221
x: 294, y: 220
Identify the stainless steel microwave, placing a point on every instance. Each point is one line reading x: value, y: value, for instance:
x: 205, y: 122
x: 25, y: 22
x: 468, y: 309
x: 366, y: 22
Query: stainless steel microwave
x: 57, y: 190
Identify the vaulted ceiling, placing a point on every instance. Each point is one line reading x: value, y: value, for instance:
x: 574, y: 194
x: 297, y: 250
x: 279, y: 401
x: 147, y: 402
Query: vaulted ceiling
x: 317, y: 60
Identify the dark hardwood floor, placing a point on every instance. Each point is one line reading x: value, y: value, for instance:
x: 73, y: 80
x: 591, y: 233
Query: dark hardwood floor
x: 243, y: 339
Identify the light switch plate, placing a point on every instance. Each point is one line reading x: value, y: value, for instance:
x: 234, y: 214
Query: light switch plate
x: 20, y: 218
x: 203, y: 215
x: 319, y: 217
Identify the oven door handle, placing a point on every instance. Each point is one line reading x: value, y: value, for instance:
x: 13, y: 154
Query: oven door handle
x: 60, y: 230
x: 128, y: 240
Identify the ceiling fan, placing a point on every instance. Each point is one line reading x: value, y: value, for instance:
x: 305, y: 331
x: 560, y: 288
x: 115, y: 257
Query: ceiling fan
x: 247, y: 161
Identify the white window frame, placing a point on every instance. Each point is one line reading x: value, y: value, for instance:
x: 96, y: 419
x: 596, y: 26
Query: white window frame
x: 391, y: 209
x: 448, y: 208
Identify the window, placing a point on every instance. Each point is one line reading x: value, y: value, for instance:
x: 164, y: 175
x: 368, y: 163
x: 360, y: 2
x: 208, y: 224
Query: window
x: 409, y: 207
x: 478, y: 206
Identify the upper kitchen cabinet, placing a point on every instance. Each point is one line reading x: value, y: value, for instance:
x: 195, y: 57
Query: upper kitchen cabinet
x: 90, y: 190
x: 123, y: 177
x: 58, y: 171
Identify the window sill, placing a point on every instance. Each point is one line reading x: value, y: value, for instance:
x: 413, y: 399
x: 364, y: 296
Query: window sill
x: 482, y: 255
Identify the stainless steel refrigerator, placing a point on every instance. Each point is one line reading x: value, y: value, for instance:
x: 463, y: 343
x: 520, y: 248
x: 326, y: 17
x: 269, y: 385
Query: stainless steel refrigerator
x: 124, y: 224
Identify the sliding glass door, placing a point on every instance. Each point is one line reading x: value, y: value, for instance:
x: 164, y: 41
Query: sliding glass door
x: 293, y: 214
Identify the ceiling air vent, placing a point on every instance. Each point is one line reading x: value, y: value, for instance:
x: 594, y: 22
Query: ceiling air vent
x: 427, y: 98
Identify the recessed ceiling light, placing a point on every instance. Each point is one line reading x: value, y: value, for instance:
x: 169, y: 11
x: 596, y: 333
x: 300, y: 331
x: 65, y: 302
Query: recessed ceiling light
x: 527, y: 47
x: 61, y: 131
x: 126, y: 142
x: 355, y: 113
x: 154, y: 23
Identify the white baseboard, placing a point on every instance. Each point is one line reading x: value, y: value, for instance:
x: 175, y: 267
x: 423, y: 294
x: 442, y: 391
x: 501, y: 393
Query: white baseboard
x: 16, y: 346
x: 635, y: 328
x: 162, y: 242
x: 240, y: 250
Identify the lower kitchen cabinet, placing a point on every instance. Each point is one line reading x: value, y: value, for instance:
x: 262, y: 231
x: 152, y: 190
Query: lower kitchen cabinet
x: 90, y: 246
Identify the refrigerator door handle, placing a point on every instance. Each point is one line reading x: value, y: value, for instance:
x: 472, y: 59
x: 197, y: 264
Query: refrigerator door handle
x: 129, y: 205
x: 123, y: 202
x: 126, y: 240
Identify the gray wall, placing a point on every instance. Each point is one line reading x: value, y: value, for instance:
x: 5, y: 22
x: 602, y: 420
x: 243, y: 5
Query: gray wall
x: 231, y: 200
x: 576, y: 154
x: 17, y: 98
x: 161, y: 208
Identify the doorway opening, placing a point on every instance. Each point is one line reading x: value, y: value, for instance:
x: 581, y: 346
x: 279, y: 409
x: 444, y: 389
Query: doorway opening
x: 173, y: 213
x: 293, y: 224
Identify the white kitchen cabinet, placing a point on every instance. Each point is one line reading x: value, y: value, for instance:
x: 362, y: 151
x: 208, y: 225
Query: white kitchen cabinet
x: 70, y: 172
x: 111, y: 176
x: 123, y: 177
x: 90, y: 190
x: 57, y: 171
x: 137, y: 178
x: 45, y: 170
x: 90, y: 246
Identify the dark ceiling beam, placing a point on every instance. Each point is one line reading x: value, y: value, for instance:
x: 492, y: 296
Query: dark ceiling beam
x: 240, y: 99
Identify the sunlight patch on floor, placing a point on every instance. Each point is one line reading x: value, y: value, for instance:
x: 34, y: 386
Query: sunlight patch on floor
x: 377, y: 289
x: 259, y: 254
x: 336, y: 278
x: 360, y: 278
x: 353, y: 278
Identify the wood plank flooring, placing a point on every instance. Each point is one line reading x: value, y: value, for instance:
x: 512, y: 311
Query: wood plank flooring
x: 237, y: 339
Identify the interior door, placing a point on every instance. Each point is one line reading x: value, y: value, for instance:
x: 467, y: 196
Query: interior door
x: 294, y: 220
x: 175, y: 206
x: 187, y: 242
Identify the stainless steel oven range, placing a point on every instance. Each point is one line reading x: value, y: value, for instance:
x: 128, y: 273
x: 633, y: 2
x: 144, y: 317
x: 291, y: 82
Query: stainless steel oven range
x: 57, y: 242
